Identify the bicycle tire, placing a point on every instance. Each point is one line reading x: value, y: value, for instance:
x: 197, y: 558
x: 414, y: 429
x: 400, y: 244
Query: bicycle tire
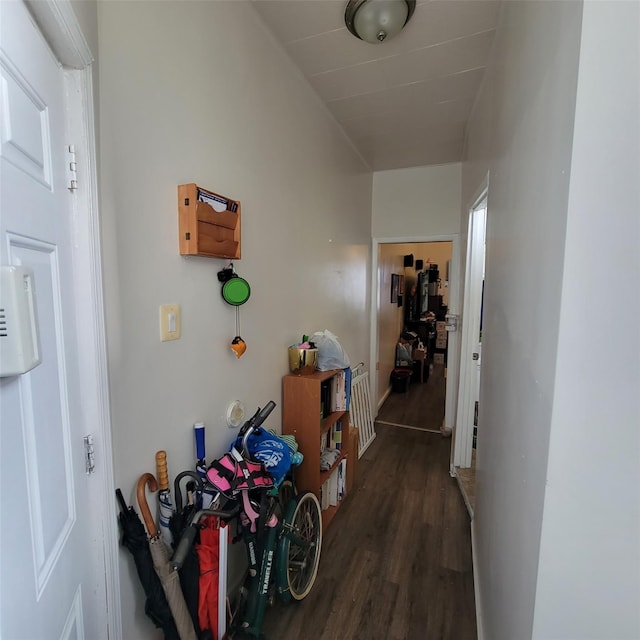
x: 297, y: 565
x: 286, y: 493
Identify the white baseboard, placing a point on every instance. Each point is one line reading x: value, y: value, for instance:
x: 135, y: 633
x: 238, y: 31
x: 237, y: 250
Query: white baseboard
x: 476, y: 583
x: 384, y: 397
x: 465, y: 497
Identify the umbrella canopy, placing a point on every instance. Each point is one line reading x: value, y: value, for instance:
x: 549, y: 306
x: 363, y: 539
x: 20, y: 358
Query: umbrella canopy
x: 134, y: 537
x: 212, y: 557
x: 190, y: 571
x: 161, y: 561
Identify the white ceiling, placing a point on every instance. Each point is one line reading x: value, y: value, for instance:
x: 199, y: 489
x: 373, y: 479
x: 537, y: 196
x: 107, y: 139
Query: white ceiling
x: 404, y: 102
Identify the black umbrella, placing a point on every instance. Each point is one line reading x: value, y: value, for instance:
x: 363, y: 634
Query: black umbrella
x: 134, y: 537
x: 190, y: 571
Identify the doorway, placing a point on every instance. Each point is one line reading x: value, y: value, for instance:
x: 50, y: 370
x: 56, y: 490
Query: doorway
x: 388, y: 320
x: 467, y: 425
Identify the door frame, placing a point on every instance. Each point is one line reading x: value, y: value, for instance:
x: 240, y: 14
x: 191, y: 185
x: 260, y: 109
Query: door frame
x: 58, y: 23
x: 454, y: 295
x: 463, y: 433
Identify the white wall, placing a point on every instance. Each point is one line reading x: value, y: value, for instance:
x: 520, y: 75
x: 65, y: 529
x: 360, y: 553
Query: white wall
x: 421, y: 201
x: 199, y: 92
x: 439, y: 253
x: 527, y: 107
x: 589, y: 570
x: 539, y: 370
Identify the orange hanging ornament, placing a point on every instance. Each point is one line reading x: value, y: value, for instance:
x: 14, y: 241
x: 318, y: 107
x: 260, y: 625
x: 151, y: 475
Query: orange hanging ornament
x: 238, y: 346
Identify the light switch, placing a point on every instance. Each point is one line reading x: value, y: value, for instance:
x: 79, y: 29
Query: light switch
x: 169, y: 322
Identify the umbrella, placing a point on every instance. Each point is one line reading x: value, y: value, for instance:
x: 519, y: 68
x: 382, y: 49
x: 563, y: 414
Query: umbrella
x: 182, y: 516
x: 208, y: 494
x: 134, y: 537
x: 164, y: 496
x: 190, y: 571
x: 212, y: 556
x: 160, y: 554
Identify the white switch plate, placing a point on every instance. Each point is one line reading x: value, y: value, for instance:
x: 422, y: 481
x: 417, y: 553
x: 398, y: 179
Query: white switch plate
x: 170, y: 322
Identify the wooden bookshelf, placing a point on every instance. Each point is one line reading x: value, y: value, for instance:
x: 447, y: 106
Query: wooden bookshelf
x: 302, y: 418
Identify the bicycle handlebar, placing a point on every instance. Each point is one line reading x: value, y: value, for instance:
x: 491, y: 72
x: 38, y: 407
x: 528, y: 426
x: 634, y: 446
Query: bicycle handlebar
x: 254, y: 422
x: 190, y: 532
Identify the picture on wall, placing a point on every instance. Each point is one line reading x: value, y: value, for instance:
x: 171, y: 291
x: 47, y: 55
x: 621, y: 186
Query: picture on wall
x: 395, y: 285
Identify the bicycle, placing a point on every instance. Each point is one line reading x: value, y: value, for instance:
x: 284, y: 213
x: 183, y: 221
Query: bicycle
x: 281, y: 530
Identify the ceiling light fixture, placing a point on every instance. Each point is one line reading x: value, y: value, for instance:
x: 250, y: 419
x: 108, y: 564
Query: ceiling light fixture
x: 375, y: 21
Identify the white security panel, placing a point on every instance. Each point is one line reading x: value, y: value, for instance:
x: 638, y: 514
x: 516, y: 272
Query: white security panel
x: 19, y: 348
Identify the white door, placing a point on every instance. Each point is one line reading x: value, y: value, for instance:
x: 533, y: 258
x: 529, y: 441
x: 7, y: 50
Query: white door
x: 52, y: 577
x: 471, y: 349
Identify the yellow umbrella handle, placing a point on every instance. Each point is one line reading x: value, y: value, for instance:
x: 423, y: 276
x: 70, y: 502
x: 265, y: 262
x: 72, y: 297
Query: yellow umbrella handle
x: 161, y: 470
x: 147, y: 479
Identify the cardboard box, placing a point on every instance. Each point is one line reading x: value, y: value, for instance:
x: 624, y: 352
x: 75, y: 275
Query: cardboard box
x: 419, y: 354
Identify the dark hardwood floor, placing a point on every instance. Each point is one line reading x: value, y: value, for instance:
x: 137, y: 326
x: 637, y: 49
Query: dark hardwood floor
x: 421, y: 406
x: 396, y: 560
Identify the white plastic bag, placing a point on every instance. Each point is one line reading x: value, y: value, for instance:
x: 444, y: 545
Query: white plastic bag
x: 331, y: 355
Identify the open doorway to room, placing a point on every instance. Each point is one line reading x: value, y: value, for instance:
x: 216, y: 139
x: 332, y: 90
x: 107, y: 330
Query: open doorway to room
x: 414, y: 298
x: 467, y: 424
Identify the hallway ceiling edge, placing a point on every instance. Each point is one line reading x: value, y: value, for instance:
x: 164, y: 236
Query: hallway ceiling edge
x: 404, y: 102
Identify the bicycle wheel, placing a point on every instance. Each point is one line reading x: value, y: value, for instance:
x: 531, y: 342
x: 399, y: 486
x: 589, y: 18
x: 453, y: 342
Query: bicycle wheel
x: 299, y: 547
x: 286, y: 493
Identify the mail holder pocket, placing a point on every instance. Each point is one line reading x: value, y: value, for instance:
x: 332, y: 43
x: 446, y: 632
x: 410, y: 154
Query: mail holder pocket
x: 209, y: 224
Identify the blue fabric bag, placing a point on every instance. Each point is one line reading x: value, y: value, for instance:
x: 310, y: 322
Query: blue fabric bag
x: 271, y: 450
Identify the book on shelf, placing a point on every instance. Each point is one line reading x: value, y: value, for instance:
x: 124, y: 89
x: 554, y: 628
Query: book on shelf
x: 333, y: 489
x: 332, y: 439
x: 324, y: 495
x: 338, y: 391
x: 347, y: 388
x: 336, y: 435
x: 342, y: 478
x: 325, y: 398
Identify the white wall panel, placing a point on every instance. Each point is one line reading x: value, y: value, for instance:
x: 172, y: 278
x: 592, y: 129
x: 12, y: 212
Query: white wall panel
x: 521, y: 135
x: 420, y: 201
x: 589, y: 571
x: 199, y: 92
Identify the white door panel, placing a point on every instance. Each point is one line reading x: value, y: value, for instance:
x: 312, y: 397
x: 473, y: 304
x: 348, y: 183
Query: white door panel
x: 471, y: 348
x: 49, y: 556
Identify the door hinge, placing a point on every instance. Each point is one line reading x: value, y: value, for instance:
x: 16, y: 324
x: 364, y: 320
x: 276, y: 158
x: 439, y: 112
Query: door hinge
x: 89, y: 455
x: 72, y: 173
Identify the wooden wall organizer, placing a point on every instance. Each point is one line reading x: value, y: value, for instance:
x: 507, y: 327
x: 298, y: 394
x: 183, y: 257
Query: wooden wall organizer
x: 205, y: 231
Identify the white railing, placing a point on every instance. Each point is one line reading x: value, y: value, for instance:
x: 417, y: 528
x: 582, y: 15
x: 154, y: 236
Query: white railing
x: 360, y: 409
